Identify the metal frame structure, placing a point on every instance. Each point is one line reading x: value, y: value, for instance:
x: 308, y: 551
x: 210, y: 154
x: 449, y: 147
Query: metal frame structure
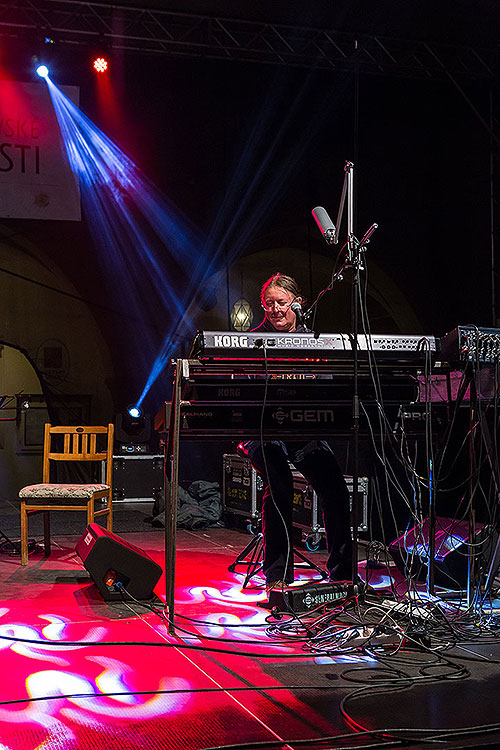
x: 158, y: 31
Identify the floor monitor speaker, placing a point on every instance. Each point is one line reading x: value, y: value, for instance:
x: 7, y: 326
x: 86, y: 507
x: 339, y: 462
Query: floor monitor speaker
x: 112, y: 562
x: 411, y: 551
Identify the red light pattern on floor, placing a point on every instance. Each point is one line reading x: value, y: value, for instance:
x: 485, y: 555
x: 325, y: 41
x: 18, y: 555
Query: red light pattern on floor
x: 131, y: 708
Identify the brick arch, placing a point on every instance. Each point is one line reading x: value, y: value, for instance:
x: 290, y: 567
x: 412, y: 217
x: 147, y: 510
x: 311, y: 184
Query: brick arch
x: 42, y: 316
x: 389, y: 309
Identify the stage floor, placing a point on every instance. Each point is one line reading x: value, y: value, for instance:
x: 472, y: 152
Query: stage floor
x: 81, y: 672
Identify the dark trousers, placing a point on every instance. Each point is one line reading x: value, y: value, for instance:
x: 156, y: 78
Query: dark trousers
x: 317, y: 463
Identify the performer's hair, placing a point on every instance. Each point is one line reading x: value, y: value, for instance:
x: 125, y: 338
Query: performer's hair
x: 284, y: 282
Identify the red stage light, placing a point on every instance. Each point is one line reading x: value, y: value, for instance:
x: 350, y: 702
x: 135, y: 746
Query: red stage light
x: 100, y: 64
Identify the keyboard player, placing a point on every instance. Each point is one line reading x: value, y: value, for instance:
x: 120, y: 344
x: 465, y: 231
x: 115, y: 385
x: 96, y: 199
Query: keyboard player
x: 314, y: 459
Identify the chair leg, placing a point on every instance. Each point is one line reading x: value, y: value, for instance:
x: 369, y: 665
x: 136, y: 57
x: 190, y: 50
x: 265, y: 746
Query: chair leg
x: 24, y: 534
x: 46, y: 533
x: 109, y: 517
x: 90, y: 511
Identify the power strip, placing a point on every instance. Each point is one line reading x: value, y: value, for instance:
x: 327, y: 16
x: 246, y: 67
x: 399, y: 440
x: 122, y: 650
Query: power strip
x: 407, y: 608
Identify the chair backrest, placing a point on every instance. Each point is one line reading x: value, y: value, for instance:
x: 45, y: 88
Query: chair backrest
x: 78, y: 444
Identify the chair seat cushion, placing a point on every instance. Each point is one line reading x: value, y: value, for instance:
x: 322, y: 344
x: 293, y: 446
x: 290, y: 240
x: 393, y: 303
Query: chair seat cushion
x: 56, y: 491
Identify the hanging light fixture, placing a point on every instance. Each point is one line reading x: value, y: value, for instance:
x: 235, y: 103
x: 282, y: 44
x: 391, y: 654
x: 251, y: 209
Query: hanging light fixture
x: 241, y: 315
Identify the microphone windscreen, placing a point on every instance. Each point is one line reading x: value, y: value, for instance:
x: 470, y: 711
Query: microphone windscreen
x: 323, y: 220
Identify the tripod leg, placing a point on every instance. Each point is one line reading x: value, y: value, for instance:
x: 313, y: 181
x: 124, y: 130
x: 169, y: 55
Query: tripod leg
x: 242, y: 555
x: 253, y: 564
x: 309, y: 563
x: 255, y: 549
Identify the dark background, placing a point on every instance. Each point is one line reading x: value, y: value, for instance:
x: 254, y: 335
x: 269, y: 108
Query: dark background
x: 244, y: 150
x: 423, y: 145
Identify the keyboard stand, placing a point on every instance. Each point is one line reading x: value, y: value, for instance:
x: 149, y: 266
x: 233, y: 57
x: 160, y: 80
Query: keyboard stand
x: 255, y: 550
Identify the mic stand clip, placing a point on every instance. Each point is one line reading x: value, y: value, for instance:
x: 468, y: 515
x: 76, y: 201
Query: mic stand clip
x: 356, y: 249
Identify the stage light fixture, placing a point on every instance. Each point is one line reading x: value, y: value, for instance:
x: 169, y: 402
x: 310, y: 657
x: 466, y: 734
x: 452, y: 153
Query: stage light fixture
x: 133, y: 431
x: 100, y: 64
x: 134, y: 411
x: 42, y: 71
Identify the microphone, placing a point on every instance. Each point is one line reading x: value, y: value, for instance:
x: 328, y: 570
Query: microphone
x: 296, y: 307
x: 325, y: 224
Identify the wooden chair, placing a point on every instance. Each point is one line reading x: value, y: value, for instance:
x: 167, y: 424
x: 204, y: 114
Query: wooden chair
x: 66, y: 444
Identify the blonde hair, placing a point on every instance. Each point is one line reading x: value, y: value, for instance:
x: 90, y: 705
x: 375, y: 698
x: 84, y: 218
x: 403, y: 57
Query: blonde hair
x: 284, y: 282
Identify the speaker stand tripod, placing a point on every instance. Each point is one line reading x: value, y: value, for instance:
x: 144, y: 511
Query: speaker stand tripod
x: 251, y: 558
x: 11, y: 547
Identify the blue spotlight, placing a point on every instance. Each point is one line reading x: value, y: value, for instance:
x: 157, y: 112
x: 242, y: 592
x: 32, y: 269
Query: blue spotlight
x: 130, y: 218
x: 135, y: 412
x: 42, y: 71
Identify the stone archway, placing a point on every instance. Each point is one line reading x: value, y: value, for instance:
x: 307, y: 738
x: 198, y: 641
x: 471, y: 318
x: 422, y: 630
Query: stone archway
x: 389, y: 309
x: 51, y: 349
x: 42, y: 315
x: 21, y: 430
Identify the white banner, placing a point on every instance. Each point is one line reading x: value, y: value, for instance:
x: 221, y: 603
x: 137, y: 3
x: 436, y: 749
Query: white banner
x: 36, y: 181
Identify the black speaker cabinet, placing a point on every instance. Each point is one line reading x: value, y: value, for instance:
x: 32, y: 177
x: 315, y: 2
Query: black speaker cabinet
x: 111, y: 560
x: 411, y: 551
x: 137, y: 478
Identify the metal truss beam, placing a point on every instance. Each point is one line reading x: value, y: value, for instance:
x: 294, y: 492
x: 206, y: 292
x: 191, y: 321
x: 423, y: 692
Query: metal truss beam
x: 162, y: 32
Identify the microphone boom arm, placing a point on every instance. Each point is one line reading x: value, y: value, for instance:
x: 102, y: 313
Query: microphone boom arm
x: 347, y: 168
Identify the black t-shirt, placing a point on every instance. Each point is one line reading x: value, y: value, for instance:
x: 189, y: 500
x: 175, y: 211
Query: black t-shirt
x: 267, y: 327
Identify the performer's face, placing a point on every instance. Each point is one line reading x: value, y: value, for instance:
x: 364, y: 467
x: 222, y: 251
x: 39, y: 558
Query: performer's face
x: 276, y: 302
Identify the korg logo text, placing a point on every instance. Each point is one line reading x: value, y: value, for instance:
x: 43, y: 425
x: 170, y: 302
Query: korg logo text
x: 228, y: 392
x: 228, y: 341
